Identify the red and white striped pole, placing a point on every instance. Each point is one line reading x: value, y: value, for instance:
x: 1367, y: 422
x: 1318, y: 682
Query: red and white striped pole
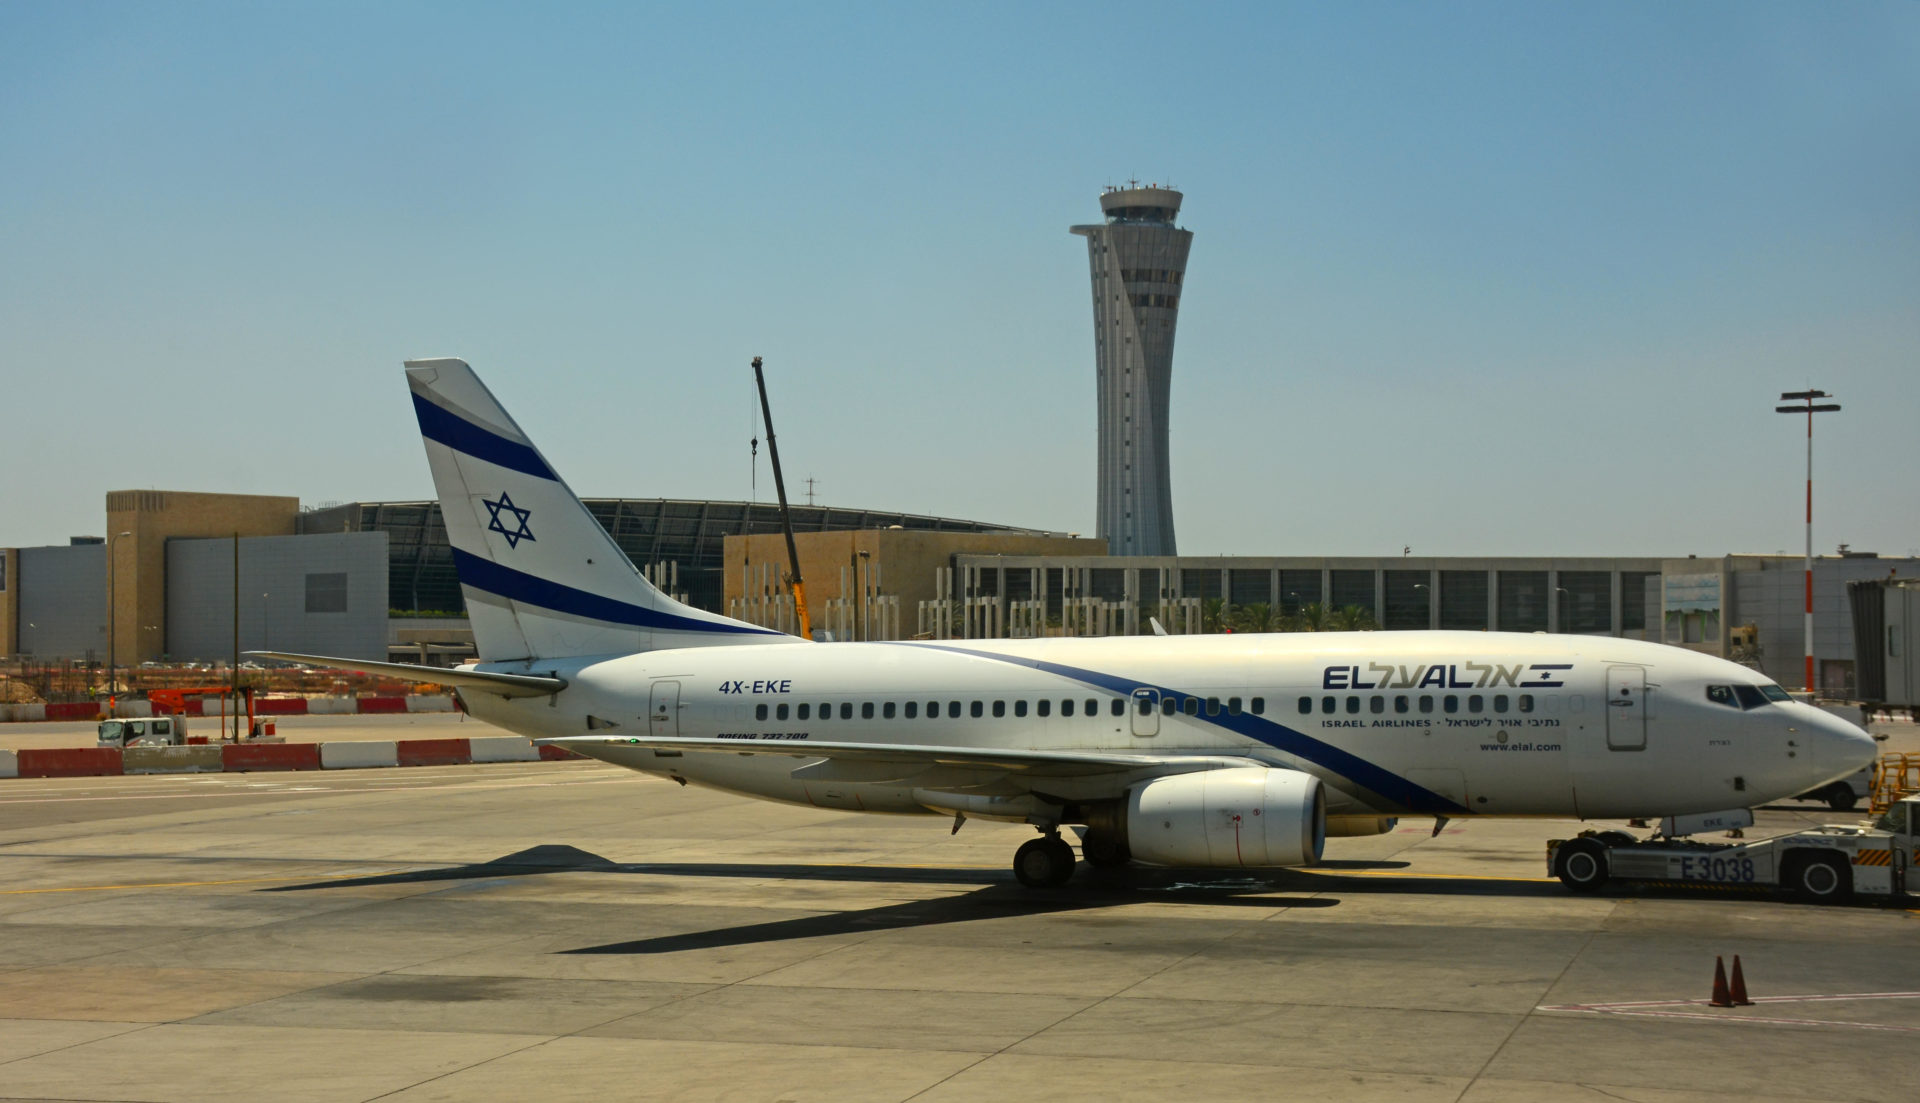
x: 1807, y: 407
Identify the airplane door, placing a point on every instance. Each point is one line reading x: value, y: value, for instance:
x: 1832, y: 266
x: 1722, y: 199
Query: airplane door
x: 1626, y: 708
x: 1146, y: 712
x: 665, y: 717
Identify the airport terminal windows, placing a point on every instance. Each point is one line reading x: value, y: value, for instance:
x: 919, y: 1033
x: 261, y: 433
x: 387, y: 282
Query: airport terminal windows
x: 1523, y: 601
x: 1633, y: 600
x: 1409, y: 600
x: 1298, y: 588
x: 1586, y: 601
x: 1463, y: 600
x: 1352, y: 588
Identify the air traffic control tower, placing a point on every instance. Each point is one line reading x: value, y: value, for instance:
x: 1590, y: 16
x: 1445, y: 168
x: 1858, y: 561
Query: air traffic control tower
x: 1139, y: 261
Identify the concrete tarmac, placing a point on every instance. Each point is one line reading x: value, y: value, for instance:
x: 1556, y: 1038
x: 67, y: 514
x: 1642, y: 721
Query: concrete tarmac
x: 573, y: 931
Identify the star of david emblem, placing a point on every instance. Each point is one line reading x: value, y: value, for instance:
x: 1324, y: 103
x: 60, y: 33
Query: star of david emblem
x: 517, y: 517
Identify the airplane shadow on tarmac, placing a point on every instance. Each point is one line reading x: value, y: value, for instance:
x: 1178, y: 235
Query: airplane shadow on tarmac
x: 996, y: 897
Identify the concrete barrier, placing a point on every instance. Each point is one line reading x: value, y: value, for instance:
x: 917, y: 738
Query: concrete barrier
x: 330, y: 706
x: 381, y: 705
x: 503, y: 748
x: 170, y: 760
x: 430, y: 702
x: 242, y: 757
x: 433, y: 752
x: 9, y: 765
x: 75, y: 710
x: 359, y: 754
x: 280, y: 706
x: 69, y: 761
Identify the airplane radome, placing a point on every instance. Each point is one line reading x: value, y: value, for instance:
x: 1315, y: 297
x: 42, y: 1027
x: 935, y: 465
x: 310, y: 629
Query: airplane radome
x: 1213, y: 751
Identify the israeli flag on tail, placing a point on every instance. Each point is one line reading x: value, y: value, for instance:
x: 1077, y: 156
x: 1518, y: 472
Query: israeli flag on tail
x: 542, y: 579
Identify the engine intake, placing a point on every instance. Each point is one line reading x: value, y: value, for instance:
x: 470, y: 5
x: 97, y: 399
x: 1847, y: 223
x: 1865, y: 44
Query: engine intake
x: 1237, y: 817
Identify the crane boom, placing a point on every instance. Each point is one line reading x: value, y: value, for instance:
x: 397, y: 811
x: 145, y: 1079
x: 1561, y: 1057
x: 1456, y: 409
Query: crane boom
x: 786, y: 515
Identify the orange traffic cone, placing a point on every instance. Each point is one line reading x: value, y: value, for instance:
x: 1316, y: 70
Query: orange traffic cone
x: 1738, y: 992
x: 1720, y: 996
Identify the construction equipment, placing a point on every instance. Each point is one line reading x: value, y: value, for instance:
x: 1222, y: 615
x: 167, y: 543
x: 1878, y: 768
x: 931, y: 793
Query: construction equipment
x: 1895, y: 777
x: 786, y: 515
x: 168, y: 726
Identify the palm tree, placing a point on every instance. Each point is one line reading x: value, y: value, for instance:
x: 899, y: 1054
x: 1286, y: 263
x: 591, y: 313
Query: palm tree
x: 1257, y: 617
x: 1215, y: 615
x: 1311, y: 617
x: 1354, y: 618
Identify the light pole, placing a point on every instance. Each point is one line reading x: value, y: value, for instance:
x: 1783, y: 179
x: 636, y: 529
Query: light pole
x: 1809, y: 408
x: 113, y: 611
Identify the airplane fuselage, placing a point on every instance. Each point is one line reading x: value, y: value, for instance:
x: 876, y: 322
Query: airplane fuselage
x: 1401, y: 723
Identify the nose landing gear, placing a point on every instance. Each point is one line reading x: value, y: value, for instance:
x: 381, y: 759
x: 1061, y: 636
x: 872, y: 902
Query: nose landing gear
x: 1044, y: 863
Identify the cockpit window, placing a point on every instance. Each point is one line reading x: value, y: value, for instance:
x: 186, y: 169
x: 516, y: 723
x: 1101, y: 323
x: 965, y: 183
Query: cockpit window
x: 1775, y: 693
x: 1750, y: 697
x: 1722, y: 695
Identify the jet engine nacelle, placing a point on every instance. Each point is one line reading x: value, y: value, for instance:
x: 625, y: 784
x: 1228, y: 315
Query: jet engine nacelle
x: 1243, y: 816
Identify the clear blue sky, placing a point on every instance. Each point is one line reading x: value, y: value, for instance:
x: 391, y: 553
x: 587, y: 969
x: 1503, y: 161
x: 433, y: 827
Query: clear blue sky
x: 1476, y: 278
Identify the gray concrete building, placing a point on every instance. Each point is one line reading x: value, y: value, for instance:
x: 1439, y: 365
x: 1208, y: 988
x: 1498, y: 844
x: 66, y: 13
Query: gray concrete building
x: 324, y: 594
x: 1138, y: 263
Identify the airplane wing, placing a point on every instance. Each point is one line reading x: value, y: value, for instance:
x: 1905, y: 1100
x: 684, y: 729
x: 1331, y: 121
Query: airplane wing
x: 1060, y: 764
x: 505, y: 685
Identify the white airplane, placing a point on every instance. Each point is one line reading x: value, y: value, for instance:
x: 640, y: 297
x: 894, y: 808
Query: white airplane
x: 1209, y: 751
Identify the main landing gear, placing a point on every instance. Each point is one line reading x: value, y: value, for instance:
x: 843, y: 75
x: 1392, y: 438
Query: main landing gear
x: 1044, y: 863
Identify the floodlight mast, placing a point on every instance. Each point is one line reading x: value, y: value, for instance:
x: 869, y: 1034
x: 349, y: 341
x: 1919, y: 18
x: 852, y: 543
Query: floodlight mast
x: 1808, y: 407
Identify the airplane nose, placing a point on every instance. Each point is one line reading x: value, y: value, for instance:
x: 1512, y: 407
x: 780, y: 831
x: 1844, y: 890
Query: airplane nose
x: 1837, y: 747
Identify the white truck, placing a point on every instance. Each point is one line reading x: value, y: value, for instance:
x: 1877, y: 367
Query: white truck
x: 1825, y: 865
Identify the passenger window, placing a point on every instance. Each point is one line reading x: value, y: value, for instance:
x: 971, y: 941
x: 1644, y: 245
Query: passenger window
x: 1426, y: 702
x: 953, y: 710
x: 1499, y: 702
x: 1400, y: 703
x: 804, y: 711
x: 978, y: 709
x: 1044, y: 706
x: 1213, y: 706
x: 1146, y: 705
x: 1192, y: 707
x: 1169, y: 705
x: 1066, y: 706
x: 999, y: 708
x: 1020, y: 708
x: 826, y: 711
x: 913, y: 709
x: 1526, y: 702
x: 1722, y: 695
x: 866, y: 710
x: 1306, y: 705
x: 1093, y: 707
x: 1475, y: 702
x: 1450, y: 703
x: 1376, y: 704
x: 1328, y: 704
x: 759, y: 712
x: 780, y: 712
x: 1259, y: 706
x: 1233, y: 706
x: 846, y: 710
x: 1118, y: 707
x: 1353, y: 705
x: 886, y: 711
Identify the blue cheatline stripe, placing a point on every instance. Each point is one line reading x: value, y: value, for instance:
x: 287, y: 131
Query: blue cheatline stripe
x: 461, y: 435
x: 484, y: 574
x: 1379, y: 779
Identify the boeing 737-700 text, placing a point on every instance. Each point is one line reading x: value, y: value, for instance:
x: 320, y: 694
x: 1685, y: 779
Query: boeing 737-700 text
x: 1212, y: 751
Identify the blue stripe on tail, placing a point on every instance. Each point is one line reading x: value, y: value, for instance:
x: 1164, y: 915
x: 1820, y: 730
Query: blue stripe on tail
x: 502, y: 581
x: 461, y: 435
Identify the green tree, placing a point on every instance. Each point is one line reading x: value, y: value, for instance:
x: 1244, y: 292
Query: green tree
x: 1215, y: 615
x: 1354, y: 618
x: 1311, y: 617
x: 1257, y: 617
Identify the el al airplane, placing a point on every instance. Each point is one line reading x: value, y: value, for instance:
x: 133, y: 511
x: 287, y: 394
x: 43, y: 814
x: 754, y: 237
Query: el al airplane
x: 1220, y: 750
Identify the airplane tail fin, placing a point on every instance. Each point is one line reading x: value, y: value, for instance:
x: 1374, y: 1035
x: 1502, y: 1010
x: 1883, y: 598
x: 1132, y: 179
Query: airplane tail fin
x: 542, y: 578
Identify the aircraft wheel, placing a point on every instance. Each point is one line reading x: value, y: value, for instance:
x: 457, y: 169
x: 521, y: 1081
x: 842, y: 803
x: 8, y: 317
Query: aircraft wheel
x: 1840, y: 797
x: 1820, y: 879
x: 1043, y: 863
x: 1581, y: 864
x: 1103, y: 849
